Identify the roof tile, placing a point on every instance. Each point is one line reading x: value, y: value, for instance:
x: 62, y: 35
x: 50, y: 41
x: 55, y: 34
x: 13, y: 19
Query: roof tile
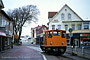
x: 51, y: 14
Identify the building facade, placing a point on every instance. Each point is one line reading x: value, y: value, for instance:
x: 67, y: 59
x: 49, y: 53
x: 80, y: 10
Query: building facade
x: 66, y: 18
x: 6, y: 29
x: 37, y: 33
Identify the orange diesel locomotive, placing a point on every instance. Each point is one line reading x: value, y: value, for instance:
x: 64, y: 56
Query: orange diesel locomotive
x: 55, y: 41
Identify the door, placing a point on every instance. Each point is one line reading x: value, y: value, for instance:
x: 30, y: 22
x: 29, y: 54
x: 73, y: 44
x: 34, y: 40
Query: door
x: 77, y: 42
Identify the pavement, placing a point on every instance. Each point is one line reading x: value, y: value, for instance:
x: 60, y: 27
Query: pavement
x: 21, y: 53
x: 82, y: 52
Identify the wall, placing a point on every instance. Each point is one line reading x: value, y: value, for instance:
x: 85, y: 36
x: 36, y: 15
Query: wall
x: 5, y: 22
x: 83, y: 25
x: 74, y: 17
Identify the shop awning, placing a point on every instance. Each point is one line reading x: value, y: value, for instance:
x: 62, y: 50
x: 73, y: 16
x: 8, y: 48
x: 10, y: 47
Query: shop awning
x: 2, y: 33
x: 79, y: 31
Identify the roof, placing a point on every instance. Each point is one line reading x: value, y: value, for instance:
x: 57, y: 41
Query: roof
x: 5, y: 15
x: 2, y: 33
x: 70, y: 21
x: 51, y: 14
x: 86, y: 20
x: 80, y: 31
x: 52, y: 30
x: 38, y: 27
x: 46, y: 30
x: 1, y: 4
x: 60, y: 11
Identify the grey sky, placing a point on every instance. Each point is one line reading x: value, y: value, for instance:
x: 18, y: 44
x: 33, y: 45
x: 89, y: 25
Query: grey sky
x: 81, y: 7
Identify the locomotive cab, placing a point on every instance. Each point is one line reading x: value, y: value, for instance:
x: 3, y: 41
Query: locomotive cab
x: 54, y: 41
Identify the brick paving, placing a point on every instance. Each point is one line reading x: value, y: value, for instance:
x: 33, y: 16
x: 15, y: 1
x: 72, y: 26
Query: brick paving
x: 20, y: 53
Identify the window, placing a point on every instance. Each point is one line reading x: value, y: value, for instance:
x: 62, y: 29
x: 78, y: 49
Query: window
x: 53, y: 27
x: 44, y: 28
x: 50, y: 34
x: 0, y: 20
x: 4, y: 22
x: 59, y: 27
x: 56, y: 32
x: 7, y: 23
x: 79, y: 27
x: 73, y: 27
x: 69, y: 16
x: 66, y: 27
x: 62, y: 16
x: 86, y: 25
x: 63, y: 34
x: 65, y: 9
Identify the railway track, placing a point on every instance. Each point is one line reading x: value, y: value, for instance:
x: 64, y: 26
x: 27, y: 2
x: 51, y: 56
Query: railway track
x: 62, y: 57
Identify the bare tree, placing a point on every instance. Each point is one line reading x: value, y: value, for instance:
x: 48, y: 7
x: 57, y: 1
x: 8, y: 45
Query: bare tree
x: 23, y: 14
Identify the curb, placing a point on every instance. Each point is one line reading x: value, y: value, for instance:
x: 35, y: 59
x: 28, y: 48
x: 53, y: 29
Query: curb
x: 78, y: 54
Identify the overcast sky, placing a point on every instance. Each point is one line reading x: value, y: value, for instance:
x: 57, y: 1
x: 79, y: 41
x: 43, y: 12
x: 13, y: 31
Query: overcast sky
x: 81, y: 7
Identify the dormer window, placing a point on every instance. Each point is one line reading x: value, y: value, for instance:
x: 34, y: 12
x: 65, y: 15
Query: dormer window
x: 69, y: 16
x: 62, y: 16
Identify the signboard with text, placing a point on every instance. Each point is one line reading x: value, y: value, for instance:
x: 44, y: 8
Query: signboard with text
x: 86, y: 35
x: 15, y: 36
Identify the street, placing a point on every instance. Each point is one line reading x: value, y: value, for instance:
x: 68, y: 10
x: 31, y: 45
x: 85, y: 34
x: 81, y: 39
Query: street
x: 44, y: 30
x: 66, y: 56
x: 21, y: 53
x: 33, y: 52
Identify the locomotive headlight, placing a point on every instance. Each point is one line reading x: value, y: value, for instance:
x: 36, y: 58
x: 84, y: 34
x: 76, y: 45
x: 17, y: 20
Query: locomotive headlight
x: 62, y: 43
x: 51, y: 43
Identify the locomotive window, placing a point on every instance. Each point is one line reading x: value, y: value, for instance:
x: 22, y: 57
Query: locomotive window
x: 50, y: 34
x: 63, y: 34
x: 56, y: 32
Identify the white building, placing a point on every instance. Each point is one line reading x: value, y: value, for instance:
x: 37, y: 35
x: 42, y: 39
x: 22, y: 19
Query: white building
x: 66, y: 18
